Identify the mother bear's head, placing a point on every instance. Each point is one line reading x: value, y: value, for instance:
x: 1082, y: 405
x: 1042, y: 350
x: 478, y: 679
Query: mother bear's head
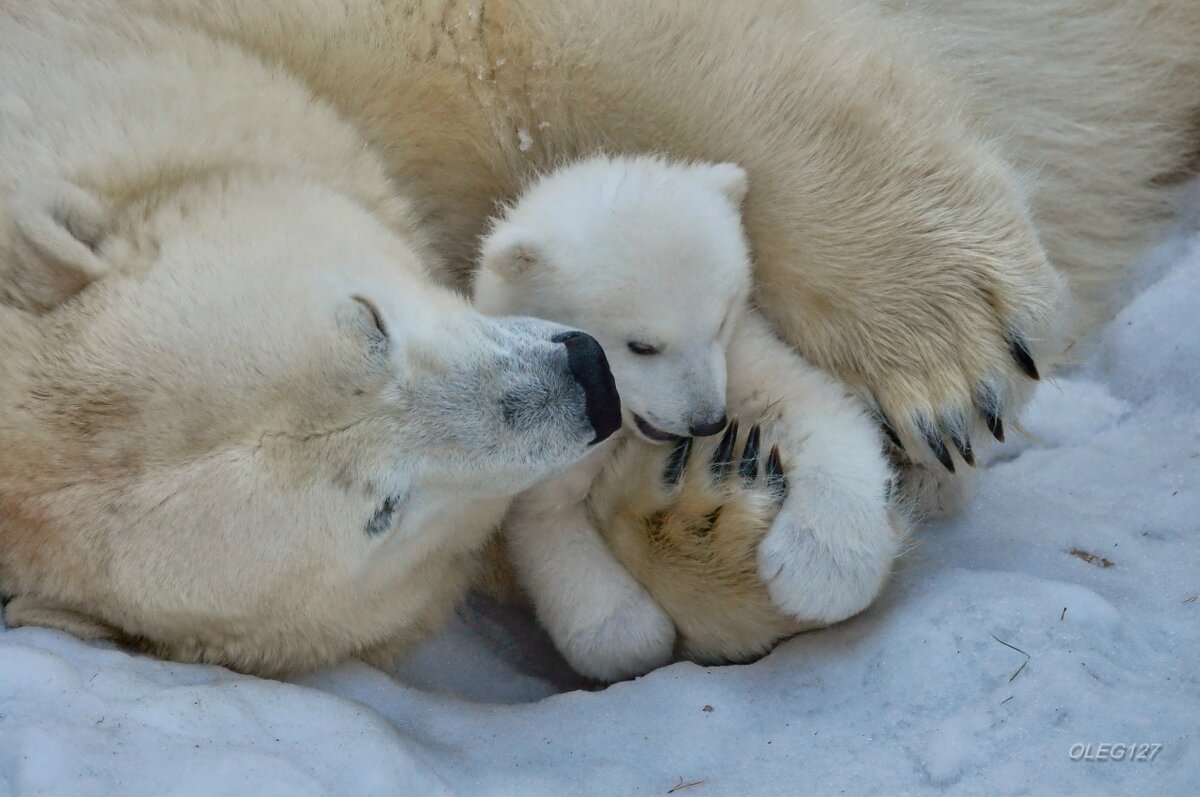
x: 235, y: 416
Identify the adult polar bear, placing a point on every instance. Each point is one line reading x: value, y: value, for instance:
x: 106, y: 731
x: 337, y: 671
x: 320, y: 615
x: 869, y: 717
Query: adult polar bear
x: 237, y: 418
x: 926, y: 175
x: 923, y: 172
x: 922, y: 185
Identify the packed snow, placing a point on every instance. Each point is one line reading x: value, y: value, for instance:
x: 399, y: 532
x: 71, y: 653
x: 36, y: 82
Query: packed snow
x: 1044, y: 642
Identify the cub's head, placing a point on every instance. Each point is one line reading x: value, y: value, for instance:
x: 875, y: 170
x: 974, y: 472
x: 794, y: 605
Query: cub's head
x: 218, y: 387
x: 647, y: 255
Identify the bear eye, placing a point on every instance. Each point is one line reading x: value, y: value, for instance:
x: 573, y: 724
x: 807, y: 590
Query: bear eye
x: 643, y: 349
x: 375, y: 315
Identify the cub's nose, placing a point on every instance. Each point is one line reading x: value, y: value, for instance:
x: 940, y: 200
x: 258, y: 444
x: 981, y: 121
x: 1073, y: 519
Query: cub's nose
x: 710, y: 428
x: 589, y: 367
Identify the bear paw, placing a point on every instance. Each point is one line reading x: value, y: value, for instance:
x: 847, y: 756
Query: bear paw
x: 687, y: 523
x: 823, y: 571
x: 831, y: 547
x: 948, y: 359
x: 634, y: 637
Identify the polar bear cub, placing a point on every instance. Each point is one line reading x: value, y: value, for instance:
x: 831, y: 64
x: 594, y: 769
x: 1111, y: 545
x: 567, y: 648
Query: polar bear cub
x: 650, y: 257
x: 647, y: 251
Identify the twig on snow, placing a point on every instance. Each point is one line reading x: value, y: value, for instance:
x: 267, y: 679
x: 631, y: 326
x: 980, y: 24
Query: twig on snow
x: 1018, y: 650
x: 680, y: 786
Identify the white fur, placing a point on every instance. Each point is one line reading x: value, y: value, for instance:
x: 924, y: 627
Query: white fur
x: 238, y: 420
x: 929, y: 176
x: 831, y: 547
x: 614, y: 245
x: 601, y: 619
x: 634, y: 250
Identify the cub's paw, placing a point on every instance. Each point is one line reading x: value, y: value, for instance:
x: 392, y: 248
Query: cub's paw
x: 822, y: 569
x: 687, y: 523
x: 633, y: 637
x: 831, y: 547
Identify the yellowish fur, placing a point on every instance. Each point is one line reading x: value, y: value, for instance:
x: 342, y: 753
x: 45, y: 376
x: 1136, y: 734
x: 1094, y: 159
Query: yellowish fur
x: 211, y: 446
x: 924, y: 174
x: 693, y: 547
x: 925, y: 177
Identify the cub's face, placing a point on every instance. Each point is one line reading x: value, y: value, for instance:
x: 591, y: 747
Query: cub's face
x: 649, y: 257
x: 235, y: 392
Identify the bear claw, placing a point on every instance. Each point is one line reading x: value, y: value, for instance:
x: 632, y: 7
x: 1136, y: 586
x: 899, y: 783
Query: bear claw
x: 1020, y: 352
x: 885, y: 423
x: 989, y: 409
x: 933, y: 438
x: 775, y: 477
x: 677, y: 461
x: 722, y: 462
x: 723, y: 456
x: 963, y: 444
x: 956, y: 427
x: 888, y: 430
x: 748, y: 467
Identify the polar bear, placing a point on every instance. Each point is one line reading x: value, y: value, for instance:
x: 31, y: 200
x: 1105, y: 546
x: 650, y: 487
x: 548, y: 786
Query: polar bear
x: 943, y: 195
x: 240, y: 423
x: 649, y: 256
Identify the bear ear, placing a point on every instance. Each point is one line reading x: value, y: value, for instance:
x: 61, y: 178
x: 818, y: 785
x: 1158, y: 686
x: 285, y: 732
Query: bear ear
x: 730, y: 179
x: 512, y: 251
x: 57, y: 227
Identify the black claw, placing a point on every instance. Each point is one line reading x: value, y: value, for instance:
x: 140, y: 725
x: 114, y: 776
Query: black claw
x: 933, y: 438
x: 997, y: 427
x: 774, y: 468
x: 723, y: 456
x: 963, y: 444
x: 956, y: 426
x: 989, y: 409
x: 1020, y: 353
x: 748, y: 468
x: 677, y: 461
x: 889, y: 429
x: 774, y: 465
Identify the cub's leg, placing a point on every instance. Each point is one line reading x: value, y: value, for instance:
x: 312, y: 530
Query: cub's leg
x: 829, y: 551
x: 605, y: 623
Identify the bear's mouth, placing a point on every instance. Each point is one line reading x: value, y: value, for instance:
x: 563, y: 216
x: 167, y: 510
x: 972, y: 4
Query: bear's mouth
x: 652, y: 433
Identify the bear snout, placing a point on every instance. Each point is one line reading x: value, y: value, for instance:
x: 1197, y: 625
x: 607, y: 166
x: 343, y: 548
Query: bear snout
x: 589, y: 368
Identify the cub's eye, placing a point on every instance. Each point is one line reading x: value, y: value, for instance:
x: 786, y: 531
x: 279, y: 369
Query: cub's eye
x: 644, y: 349
x: 374, y: 314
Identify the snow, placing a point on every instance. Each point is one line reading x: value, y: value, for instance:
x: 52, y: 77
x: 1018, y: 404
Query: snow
x: 1002, y: 648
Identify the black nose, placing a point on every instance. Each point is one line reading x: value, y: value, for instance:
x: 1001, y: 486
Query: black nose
x: 709, y: 429
x: 589, y: 367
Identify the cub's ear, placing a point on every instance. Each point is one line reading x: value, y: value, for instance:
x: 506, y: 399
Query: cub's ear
x: 730, y: 179
x: 57, y: 229
x: 511, y: 251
